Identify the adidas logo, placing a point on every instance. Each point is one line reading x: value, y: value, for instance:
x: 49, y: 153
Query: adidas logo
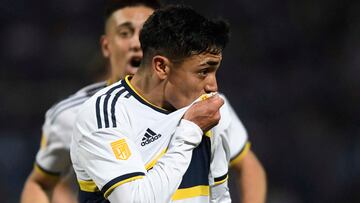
x: 149, y: 137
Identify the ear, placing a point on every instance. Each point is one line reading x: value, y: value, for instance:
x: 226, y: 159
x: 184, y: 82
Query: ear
x: 161, y: 66
x: 104, y: 43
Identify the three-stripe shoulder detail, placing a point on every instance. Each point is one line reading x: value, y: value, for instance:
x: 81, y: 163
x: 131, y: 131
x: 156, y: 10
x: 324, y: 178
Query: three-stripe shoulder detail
x: 66, y: 104
x: 91, y: 90
x: 74, y: 100
x: 105, y: 106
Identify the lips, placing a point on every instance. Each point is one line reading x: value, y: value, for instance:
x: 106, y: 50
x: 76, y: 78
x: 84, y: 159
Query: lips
x: 135, y: 61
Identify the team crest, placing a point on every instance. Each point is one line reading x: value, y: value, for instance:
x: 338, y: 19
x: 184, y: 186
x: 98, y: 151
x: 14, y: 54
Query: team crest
x: 121, y: 149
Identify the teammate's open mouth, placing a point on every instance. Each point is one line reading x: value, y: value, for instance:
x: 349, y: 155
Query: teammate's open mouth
x: 135, y: 62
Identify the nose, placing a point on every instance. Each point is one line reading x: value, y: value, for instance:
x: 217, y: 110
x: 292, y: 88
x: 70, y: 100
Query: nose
x: 211, y: 85
x: 135, y: 42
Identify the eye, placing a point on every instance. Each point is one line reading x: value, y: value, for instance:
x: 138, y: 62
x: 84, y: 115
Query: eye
x: 125, y: 32
x: 204, y: 72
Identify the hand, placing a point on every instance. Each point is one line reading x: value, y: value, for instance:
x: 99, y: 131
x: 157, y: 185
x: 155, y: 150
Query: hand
x: 205, y: 113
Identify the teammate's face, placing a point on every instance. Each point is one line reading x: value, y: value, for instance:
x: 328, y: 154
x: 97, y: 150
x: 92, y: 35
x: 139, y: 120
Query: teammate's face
x: 120, y: 43
x: 190, y: 79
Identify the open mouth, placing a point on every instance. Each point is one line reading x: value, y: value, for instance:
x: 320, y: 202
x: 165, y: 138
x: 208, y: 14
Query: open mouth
x: 135, y: 62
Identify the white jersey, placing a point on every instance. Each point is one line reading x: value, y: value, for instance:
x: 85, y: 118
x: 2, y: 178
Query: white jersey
x: 53, y: 157
x: 119, y: 137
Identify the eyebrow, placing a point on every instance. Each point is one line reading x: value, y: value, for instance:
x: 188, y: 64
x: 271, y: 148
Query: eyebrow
x: 211, y: 63
x: 125, y: 24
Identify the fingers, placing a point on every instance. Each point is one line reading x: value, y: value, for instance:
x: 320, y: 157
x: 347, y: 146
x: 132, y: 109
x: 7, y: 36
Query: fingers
x: 216, y: 101
x: 205, y: 113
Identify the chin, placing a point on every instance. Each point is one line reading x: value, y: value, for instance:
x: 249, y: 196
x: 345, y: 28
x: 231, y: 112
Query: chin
x: 183, y: 104
x: 131, y: 70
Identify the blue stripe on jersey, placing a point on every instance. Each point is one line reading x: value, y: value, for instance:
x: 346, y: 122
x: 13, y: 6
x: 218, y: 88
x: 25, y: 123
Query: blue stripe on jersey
x: 91, y: 91
x: 119, y: 179
x: 108, y: 94
x: 114, y: 88
x: 113, y: 118
x: 91, y: 197
x: 221, y: 178
x: 98, y: 118
x: 105, y: 110
x: 75, y: 100
x: 59, y: 106
x: 67, y: 107
x: 199, y: 168
x: 105, y: 106
x: 128, y: 95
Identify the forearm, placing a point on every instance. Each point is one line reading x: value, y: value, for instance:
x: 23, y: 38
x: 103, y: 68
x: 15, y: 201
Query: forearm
x: 252, y: 180
x: 64, y: 192
x: 159, y: 184
x: 33, y: 192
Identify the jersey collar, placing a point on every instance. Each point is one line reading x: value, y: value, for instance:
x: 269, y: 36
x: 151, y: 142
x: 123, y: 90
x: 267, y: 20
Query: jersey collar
x: 140, y: 98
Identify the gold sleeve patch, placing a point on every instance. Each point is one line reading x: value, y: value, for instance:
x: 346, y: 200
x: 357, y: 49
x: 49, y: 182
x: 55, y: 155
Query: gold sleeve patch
x: 121, y: 149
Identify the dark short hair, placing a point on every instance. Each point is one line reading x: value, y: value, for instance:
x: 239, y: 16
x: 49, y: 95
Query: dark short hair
x: 177, y: 32
x: 113, y: 5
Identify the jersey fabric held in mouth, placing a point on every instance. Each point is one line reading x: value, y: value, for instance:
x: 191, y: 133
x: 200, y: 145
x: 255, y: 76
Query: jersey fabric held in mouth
x: 124, y: 135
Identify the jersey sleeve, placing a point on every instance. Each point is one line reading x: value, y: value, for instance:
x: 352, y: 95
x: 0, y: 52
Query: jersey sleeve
x: 160, y: 183
x: 234, y: 134
x: 109, y: 157
x: 53, y: 156
x: 219, y: 167
x: 112, y: 160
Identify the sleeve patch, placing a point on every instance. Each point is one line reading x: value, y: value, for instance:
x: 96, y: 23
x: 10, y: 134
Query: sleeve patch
x: 121, y: 149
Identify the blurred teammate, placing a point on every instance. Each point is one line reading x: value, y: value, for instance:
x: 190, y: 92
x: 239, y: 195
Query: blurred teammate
x: 120, y: 45
x: 124, y: 129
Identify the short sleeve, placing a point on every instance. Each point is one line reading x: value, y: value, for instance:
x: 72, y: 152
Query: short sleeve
x: 53, y: 156
x: 109, y: 157
x: 234, y: 135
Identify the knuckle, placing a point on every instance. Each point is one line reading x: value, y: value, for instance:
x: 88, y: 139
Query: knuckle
x: 222, y: 101
x: 217, y: 116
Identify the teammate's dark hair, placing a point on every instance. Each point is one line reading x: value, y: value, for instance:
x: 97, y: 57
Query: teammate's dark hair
x: 178, y: 32
x: 114, y: 5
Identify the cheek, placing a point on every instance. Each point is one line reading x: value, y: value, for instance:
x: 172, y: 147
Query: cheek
x: 191, y: 86
x: 119, y: 56
x: 120, y: 47
x: 187, y: 93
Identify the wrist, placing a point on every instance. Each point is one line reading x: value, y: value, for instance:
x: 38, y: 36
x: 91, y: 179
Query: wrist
x: 188, y: 132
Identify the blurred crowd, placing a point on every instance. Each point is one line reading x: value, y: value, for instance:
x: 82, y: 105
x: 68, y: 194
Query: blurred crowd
x: 291, y: 71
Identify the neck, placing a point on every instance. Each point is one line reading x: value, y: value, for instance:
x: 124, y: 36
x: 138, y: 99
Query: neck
x: 112, y: 80
x: 114, y: 76
x: 150, y: 88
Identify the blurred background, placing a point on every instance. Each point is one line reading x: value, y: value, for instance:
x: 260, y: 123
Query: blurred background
x: 291, y: 71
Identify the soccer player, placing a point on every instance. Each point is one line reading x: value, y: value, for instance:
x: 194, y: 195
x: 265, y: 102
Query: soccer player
x: 141, y: 139
x: 120, y: 45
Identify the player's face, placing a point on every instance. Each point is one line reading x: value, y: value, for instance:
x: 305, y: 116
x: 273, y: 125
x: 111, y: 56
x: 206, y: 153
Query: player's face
x: 190, y: 79
x: 120, y: 43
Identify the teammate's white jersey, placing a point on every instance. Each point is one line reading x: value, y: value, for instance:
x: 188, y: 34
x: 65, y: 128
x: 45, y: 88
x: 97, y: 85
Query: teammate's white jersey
x: 53, y: 157
x: 119, y: 137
